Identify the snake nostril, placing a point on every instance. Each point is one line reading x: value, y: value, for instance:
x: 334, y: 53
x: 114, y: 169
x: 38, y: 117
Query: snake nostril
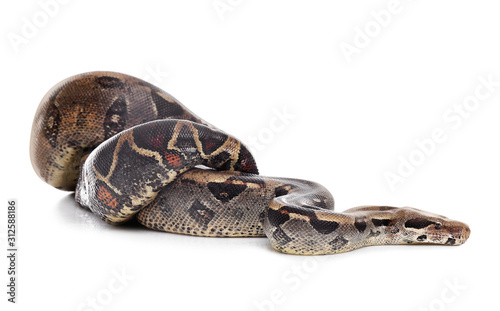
x: 438, y: 225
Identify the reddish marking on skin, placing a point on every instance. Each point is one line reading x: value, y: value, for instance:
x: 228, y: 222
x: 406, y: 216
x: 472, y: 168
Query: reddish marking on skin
x: 247, y: 166
x: 157, y: 141
x: 209, y: 145
x: 245, y: 162
x: 106, y: 197
x: 173, y: 160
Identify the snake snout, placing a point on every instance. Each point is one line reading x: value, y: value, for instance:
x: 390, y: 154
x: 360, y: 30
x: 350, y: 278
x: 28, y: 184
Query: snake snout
x: 449, y: 232
x: 461, y: 232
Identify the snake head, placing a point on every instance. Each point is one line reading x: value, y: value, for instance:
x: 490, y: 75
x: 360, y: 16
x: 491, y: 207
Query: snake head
x: 423, y: 227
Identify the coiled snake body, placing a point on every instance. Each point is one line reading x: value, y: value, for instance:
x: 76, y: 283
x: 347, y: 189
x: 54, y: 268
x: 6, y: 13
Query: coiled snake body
x: 130, y: 149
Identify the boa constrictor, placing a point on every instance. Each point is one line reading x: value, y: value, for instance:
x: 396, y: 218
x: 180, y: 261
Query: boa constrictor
x: 132, y: 150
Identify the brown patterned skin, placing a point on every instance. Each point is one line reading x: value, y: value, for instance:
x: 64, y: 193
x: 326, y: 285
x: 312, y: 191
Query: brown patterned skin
x: 131, y: 150
x: 126, y: 172
x: 296, y: 215
x: 81, y: 112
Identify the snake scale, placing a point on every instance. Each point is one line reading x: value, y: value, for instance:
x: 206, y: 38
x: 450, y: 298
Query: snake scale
x: 129, y: 149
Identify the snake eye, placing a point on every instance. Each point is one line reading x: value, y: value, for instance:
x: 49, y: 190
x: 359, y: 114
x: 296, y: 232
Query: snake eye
x: 438, y: 225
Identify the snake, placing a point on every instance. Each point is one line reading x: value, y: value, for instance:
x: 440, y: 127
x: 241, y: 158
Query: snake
x: 130, y: 150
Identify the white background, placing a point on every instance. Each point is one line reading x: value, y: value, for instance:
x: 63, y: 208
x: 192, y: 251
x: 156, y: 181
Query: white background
x: 355, y: 119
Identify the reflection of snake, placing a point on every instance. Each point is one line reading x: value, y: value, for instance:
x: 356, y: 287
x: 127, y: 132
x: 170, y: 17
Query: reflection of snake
x: 96, y: 132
